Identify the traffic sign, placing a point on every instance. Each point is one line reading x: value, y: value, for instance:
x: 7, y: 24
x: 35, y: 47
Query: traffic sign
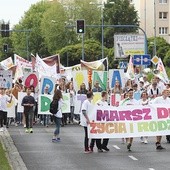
x: 155, y: 60
x: 123, y: 65
x: 142, y: 59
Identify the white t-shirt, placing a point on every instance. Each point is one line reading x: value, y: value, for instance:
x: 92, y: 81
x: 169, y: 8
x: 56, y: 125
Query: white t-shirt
x: 102, y: 103
x: 141, y: 102
x: 160, y: 100
x: 85, y: 106
x: 130, y: 102
x: 3, y: 102
x: 161, y: 86
x: 59, y: 113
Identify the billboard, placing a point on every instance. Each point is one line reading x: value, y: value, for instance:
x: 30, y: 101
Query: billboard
x: 128, y: 44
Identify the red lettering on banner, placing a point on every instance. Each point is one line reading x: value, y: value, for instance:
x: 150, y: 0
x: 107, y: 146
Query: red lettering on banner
x: 114, y: 115
x: 162, y: 113
x: 137, y: 114
x: 146, y: 111
x: 125, y: 115
x: 107, y: 128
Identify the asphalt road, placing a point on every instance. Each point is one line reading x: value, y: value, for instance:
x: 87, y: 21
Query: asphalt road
x: 39, y: 153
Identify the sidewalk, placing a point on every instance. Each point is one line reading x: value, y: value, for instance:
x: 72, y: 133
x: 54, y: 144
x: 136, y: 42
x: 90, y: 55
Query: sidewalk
x: 13, y: 155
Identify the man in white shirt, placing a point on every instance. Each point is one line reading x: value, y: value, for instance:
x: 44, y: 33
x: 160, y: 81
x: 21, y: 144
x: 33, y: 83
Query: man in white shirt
x: 164, y: 99
x: 153, y: 90
x: 130, y: 101
x: 160, y: 84
x: 103, y: 102
x: 84, y: 120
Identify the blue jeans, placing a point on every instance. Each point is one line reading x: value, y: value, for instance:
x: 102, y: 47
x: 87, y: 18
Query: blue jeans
x: 58, y: 125
x: 19, y: 117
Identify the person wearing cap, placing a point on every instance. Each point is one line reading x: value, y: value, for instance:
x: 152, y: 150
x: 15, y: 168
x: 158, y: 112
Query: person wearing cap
x: 164, y: 99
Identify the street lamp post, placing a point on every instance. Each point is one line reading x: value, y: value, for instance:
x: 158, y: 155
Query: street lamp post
x: 102, y: 23
x: 154, y: 28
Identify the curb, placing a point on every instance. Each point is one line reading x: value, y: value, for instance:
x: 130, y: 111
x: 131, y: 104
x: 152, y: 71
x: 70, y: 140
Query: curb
x: 13, y: 156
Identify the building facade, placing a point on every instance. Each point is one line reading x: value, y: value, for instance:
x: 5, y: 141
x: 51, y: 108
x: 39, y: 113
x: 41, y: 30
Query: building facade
x: 154, y: 16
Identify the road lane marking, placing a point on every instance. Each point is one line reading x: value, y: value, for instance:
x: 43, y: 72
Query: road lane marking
x: 133, y: 158
x: 151, y: 169
x: 116, y: 147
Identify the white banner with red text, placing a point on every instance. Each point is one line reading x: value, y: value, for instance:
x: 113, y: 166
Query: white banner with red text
x: 129, y: 121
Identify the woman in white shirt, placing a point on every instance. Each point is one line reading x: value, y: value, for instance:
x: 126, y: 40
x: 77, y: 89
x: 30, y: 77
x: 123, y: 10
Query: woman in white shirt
x: 4, y: 99
x: 144, y: 101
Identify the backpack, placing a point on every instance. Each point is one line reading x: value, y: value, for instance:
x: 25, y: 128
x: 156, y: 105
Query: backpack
x: 54, y: 107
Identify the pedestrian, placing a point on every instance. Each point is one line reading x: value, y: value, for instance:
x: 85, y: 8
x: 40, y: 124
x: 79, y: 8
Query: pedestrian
x: 144, y: 101
x: 164, y: 99
x: 28, y: 102
x: 70, y: 89
x: 130, y: 101
x: 58, y: 116
x: 45, y: 118
x: 103, y: 102
x: 85, y: 120
x: 4, y: 99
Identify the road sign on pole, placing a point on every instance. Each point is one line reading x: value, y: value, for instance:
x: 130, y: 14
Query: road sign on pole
x: 142, y: 59
x: 155, y: 60
x: 123, y: 65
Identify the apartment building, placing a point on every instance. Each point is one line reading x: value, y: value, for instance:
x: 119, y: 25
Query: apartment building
x: 154, y: 16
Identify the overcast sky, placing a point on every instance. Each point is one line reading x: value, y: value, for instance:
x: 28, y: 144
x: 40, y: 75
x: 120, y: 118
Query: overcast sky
x: 13, y: 10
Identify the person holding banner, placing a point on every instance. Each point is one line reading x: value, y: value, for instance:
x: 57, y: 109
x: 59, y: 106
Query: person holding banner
x: 164, y: 99
x: 85, y: 120
x: 70, y: 89
x: 28, y: 102
x: 130, y: 101
x: 45, y: 118
x: 3, y: 108
x: 144, y: 101
x: 103, y: 102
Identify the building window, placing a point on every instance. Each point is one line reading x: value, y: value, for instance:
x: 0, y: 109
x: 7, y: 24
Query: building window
x: 163, y: 30
x: 163, y: 1
x: 163, y: 15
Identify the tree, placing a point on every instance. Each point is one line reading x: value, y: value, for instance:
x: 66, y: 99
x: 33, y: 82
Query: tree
x: 72, y: 54
x: 31, y: 21
x: 4, y: 55
x: 53, y: 27
x: 119, y: 12
x: 162, y: 47
x: 88, y: 10
x: 167, y: 59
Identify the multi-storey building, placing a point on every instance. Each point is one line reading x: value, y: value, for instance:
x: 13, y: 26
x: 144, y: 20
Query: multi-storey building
x: 154, y: 16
